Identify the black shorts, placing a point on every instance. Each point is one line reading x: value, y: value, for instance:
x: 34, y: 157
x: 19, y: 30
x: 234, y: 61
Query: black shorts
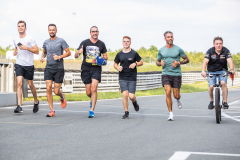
x: 26, y: 71
x: 174, y: 81
x: 55, y: 75
x: 87, y: 76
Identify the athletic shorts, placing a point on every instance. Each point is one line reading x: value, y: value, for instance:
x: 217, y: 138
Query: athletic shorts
x: 55, y: 75
x: 174, y: 81
x: 212, y: 81
x: 87, y: 76
x: 26, y: 71
x: 129, y: 86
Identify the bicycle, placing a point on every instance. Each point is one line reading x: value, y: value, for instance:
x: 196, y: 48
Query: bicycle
x: 217, y: 93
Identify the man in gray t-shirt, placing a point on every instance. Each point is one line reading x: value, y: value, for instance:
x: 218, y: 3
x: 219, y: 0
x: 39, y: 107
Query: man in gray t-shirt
x: 53, y: 48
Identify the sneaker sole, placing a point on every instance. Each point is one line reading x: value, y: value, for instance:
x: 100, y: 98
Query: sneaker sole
x: 170, y: 119
x: 126, y: 118
x: 49, y: 116
x: 18, y: 111
x: 90, y: 117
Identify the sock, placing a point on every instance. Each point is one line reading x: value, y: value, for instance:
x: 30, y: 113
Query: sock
x: 36, y: 103
x: 171, y: 113
x: 62, y: 98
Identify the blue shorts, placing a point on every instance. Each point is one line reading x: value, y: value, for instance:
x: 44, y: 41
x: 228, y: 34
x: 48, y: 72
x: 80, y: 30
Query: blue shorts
x: 212, y: 81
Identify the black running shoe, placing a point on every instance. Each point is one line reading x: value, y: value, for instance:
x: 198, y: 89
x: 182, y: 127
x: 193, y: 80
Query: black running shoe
x: 136, y: 106
x: 18, y: 109
x: 225, y: 105
x: 210, y: 106
x: 36, y: 107
x: 126, y: 115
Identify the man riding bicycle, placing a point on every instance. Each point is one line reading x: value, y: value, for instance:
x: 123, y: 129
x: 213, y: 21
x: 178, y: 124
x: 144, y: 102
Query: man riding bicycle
x: 216, y: 60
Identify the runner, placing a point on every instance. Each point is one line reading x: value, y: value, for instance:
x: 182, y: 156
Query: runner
x: 25, y: 48
x: 216, y: 60
x: 53, y: 48
x: 91, y: 72
x: 129, y: 60
x: 171, y: 70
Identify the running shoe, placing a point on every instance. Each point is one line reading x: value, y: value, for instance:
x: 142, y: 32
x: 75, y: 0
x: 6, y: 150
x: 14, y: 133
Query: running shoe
x: 18, y: 109
x: 90, y: 104
x: 179, y: 104
x: 63, y: 101
x: 210, y: 106
x: 36, y: 107
x: 170, y: 118
x: 91, y: 114
x: 51, y: 114
x: 136, y: 106
x: 225, y: 105
x: 126, y: 115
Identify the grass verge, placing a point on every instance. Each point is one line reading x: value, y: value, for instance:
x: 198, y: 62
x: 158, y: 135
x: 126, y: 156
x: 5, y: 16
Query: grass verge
x: 186, y: 88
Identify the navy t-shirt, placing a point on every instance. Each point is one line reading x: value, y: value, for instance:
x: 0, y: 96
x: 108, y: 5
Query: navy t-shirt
x: 90, y: 51
x: 125, y: 60
x: 217, y: 61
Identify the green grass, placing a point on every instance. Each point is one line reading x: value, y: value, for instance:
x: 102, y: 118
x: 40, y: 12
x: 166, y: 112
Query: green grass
x: 186, y: 88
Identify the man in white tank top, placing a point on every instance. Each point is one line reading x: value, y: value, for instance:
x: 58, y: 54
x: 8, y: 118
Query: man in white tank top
x: 25, y: 48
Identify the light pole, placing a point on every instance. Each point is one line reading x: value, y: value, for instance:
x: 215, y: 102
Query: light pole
x: 74, y: 14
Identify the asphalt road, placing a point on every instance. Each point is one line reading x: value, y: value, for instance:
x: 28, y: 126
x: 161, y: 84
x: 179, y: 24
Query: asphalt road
x: 146, y: 135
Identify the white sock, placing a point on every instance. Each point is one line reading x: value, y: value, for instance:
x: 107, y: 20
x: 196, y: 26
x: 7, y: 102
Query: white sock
x: 171, y: 113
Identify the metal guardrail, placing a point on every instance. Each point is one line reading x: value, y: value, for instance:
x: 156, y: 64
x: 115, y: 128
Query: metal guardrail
x: 109, y: 82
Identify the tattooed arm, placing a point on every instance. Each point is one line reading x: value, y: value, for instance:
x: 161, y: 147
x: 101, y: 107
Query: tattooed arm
x: 185, y: 60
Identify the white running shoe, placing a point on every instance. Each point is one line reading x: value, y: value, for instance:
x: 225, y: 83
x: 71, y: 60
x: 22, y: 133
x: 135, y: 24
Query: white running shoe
x: 170, y: 118
x: 179, y: 104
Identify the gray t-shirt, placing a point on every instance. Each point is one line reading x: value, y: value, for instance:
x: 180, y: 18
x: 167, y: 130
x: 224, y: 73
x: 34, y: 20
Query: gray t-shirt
x: 57, y: 46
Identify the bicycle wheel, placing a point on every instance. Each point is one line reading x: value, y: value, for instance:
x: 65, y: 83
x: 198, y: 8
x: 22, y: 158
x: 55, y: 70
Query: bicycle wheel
x: 217, y: 105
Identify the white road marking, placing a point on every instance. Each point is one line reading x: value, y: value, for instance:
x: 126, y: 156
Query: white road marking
x: 182, y: 155
x: 131, y: 113
x: 231, y: 117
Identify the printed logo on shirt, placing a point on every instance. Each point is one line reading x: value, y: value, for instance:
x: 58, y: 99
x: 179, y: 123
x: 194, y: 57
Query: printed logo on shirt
x: 213, y: 56
x: 222, y: 56
x: 130, y: 59
x: 207, y: 55
x: 229, y: 55
x: 91, y: 53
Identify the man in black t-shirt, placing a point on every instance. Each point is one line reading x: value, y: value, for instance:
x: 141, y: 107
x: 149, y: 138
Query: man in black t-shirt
x: 128, y: 60
x: 91, y: 72
x: 216, y: 60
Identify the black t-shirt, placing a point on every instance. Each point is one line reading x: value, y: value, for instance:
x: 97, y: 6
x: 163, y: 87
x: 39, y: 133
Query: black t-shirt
x: 90, y: 51
x: 217, y: 62
x: 125, y: 60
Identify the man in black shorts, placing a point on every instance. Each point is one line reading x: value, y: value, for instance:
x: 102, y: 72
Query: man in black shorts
x: 129, y: 60
x: 91, y: 72
x: 171, y: 70
x: 216, y: 60
x: 53, y: 48
x: 25, y: 48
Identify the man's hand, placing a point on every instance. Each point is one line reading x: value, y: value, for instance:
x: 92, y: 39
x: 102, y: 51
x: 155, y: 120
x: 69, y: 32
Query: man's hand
x: 204, y: 74
x: 15, y: 52
x: 174, y: 64
x: 163, y: 63
x: 232, y: 71
x: 120, y: 68
x: 22, y: 47
x: 42, y: 60
x: 56, y: 57
x: 133, y: 65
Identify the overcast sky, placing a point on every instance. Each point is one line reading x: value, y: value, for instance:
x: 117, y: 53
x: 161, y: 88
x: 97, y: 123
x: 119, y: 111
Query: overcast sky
x: 194, y: 22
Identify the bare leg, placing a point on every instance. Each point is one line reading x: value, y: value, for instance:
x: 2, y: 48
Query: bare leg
x: 88, y: 89
x: 125, y: 100
x: 19, y: 89
x: 176, y: 93
x: 57, y: 90
x: 132, y: 97
x: 49, y: 93
x: 210, y: 91
x: 224, y: 91
x: 33, y: 89
x: 168, y: 97
x: 94, y: 93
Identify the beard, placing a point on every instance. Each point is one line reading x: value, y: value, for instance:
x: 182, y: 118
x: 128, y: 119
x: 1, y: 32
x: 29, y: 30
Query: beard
x: 170, y: 42
x: 52, y: 36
